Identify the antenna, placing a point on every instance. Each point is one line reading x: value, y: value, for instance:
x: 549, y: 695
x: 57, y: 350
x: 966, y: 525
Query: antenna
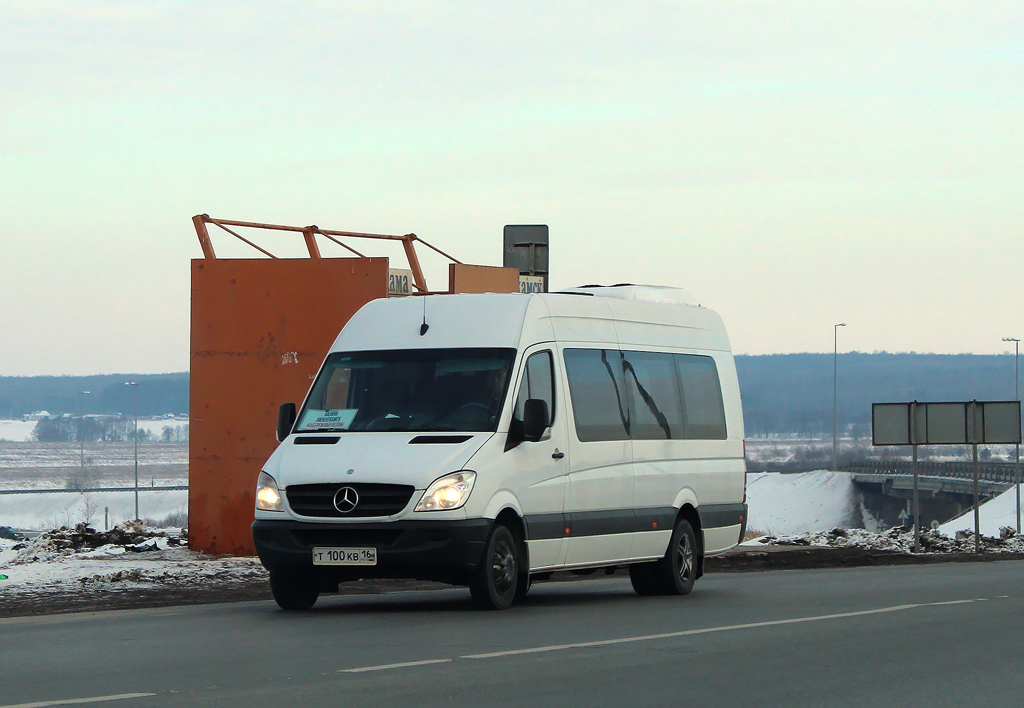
x: 424, y: 327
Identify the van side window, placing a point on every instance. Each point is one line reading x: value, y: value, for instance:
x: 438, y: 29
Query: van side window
x: 704, y: 412
x: 538, y: 382
x: 598, y: 392
x: 655, y: 408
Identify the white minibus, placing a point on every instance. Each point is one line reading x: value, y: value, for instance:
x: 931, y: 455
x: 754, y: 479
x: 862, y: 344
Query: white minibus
x: 491, y: 440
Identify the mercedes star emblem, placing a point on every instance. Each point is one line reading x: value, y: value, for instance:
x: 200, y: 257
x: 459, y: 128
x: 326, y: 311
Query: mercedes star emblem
x: 345, y: 499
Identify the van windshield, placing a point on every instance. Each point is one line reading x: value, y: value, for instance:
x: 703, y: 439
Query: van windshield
x: 409, y: 389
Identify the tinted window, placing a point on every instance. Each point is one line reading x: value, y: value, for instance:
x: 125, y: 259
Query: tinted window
x: 598, y: 393
x: 537, y: 382
x: 656, y: 413
x: 703, y: 410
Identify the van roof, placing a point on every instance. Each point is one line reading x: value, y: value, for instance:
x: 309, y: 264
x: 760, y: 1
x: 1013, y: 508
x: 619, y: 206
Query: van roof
x: 647, y: 293
x: 640, y: 313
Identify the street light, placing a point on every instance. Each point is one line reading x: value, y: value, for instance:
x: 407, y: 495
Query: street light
x: 835, y: 394
x: 135, y: 386
x: 1016, y: 396
x: 81, y: 439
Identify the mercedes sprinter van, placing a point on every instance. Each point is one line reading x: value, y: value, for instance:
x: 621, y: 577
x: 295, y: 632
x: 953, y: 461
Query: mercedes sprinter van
x: 491, y: 440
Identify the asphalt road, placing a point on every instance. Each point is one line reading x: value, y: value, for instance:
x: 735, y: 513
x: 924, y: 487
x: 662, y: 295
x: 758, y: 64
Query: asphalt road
x: 936, y: 635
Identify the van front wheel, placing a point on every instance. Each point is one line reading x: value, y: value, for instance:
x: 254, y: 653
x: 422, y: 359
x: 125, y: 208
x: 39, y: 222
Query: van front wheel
x: 290, y: 594
x: 494, y: 582
x: 676, y: 573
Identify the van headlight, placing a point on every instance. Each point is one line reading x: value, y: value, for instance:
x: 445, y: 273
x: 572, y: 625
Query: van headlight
x: 268, y: 496
x: 448, y: 492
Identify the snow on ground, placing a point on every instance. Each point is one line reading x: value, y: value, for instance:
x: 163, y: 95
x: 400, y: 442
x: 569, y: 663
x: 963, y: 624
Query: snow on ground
x: 26, y: 455
x: 806, y: 501
x: 131, y: 556
x: 17, y: 430
x: 899, y: 540
x: 21, y: 430
x: 993, y: 515
x: 47, y: 511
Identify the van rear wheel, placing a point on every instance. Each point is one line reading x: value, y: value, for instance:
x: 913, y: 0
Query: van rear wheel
x: 676, y: 573
x: 495, y: 581
x: 291, y: 594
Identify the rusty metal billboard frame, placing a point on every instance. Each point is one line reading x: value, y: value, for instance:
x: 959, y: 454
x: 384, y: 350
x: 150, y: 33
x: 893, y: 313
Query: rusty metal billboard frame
x: 309, y: 234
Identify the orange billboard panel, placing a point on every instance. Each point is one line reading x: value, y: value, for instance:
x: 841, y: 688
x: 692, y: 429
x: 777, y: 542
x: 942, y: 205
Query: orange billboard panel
x: 463, y: 278
x: 260, y: 329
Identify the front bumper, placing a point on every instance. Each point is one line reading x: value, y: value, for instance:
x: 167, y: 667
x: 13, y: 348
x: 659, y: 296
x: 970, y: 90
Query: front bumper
x: 446, y: 551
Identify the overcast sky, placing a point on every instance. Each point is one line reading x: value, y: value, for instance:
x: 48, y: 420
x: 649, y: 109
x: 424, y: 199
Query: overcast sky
x: 794, y: 164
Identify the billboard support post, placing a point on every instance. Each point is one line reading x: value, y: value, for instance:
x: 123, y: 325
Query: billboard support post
x: 977, y: 504
x: 947, y: 423
x: 917, y: 505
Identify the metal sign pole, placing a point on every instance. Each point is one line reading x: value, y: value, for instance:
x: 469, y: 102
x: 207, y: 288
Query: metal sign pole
x: 917, y: 506
x: 977, y: 513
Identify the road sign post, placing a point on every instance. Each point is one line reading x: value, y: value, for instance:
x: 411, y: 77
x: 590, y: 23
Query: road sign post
x: 917, y: 505
x: 947, y: 423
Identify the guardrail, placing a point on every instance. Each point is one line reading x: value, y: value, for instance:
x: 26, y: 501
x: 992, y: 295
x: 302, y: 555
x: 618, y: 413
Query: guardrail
x: 999, y: 472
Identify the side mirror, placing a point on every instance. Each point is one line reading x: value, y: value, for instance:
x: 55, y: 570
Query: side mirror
x: 285, y: 420
x: 535, y: 419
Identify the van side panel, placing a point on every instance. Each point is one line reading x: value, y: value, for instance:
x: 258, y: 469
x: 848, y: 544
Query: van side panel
x: 600, y: 491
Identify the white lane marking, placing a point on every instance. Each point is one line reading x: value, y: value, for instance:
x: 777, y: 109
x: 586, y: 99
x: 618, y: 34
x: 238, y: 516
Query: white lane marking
x: 384, y: 667
x: 707, y: 630
x: 79, y: 701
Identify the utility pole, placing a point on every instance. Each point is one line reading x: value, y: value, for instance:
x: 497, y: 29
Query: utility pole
x: 135, y: 386
x: 81, y: 437
x: 835, y: 394
x: 1016, y: 397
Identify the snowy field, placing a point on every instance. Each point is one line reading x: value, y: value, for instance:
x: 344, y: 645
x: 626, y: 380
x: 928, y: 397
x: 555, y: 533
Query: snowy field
x: 102, y: 510
x: 996, y: 514
x: 34, y: 465
x: 804, y: 502
x: 21, y: 430
x: 17, y: 430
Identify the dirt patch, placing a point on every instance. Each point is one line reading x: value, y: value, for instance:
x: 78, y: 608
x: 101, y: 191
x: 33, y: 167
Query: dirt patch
x: 806, y: 557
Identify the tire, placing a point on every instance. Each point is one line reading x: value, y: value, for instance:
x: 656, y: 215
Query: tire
x: 290, y: 594
x: 496, y: 580
x: 676, y: 573
x: 641, y: 575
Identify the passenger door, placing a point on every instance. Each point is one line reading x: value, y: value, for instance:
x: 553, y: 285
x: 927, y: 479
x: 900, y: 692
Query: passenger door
x: 600, y: 494
x: 540, y: 467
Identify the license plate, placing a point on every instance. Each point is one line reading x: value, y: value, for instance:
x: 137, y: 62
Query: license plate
x: 344, y: 556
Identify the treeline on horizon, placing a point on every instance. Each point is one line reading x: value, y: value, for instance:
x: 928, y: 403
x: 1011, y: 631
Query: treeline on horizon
x: 792, y: 393
x: 782, y: 393
x: 159, y: 394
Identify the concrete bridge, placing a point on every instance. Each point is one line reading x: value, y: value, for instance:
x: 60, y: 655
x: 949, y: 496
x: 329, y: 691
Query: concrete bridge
x: 946, y: 489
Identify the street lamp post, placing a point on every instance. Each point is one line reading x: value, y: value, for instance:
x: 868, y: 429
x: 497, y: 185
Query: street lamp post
x: 1016, y: 396
x: 135, y: 386
x: 835, y: 394
x: 81, y: 438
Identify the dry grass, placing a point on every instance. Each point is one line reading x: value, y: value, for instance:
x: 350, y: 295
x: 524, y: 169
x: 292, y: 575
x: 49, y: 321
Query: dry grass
x: 754, y: 533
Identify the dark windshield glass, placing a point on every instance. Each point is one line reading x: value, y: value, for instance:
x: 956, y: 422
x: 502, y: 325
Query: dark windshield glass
x: 411, y: 389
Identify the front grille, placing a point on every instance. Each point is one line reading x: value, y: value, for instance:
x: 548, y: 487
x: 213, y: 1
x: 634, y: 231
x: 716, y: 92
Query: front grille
x: 374, y: 499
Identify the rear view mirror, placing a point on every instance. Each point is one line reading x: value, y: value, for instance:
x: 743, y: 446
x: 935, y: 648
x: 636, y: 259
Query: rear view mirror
x: 535, y: 419
x: 285, y: 420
